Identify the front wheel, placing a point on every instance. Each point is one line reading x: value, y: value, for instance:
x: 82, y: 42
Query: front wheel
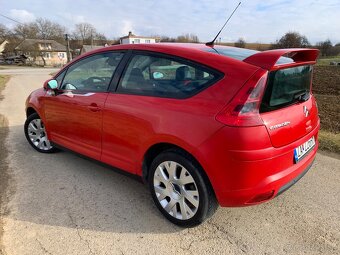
x: 36, y: 134
x: 179, y: 189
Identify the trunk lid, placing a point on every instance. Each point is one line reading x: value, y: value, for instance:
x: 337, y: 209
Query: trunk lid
x: 288, y: 108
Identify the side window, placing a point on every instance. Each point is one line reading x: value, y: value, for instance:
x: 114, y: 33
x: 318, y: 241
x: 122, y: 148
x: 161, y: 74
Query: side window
x: 165, y: 77
x: 60, y: 77
x: 93, y: 73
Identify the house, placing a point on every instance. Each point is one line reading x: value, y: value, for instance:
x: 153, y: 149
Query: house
x: 2, y: 46
x: 131, y: 39
x: 43, y: 52
x: 86, y: 48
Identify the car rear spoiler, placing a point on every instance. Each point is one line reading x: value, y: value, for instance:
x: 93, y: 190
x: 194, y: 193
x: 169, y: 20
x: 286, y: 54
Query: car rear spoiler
x: 268, y: 59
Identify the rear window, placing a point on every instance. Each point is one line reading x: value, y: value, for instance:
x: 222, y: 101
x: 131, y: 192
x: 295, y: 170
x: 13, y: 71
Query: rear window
x: 242, y: 54
x: 286, y: 87
x: 232, y: 52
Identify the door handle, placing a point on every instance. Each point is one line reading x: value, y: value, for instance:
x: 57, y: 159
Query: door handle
x: 94, y: 107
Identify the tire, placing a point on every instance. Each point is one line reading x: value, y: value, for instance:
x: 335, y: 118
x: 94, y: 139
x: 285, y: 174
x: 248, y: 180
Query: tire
x: 36, y: 134
x: 180, y: 190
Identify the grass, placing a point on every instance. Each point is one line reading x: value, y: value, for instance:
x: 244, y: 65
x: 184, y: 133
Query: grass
x: 3, y: 80
x: 325, y: 61
x: 329, y: 141
x: 326, y: 88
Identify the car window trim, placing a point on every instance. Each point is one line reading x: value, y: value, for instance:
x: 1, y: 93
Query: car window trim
x: 80, y: 91
x: 133, y: 53
x: 113, y: 86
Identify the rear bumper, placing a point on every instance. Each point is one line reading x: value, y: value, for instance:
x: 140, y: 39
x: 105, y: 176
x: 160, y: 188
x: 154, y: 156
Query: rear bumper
x: 247, y: 177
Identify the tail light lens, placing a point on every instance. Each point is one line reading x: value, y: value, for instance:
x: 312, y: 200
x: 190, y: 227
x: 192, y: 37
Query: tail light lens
x: 243, y: 110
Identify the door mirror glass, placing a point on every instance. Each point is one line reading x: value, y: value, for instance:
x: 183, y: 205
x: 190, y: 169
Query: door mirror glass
x: 52, y: 84
x: 158, y: 75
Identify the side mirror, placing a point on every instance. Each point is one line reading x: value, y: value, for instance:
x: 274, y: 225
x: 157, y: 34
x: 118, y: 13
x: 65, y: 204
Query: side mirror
x: 158, y: 75
x: 52, y: 85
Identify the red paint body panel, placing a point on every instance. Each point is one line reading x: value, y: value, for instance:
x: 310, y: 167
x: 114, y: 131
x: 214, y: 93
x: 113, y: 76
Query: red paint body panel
x: 75, y: 121
x: 240, y: 162
x: 267, y: 59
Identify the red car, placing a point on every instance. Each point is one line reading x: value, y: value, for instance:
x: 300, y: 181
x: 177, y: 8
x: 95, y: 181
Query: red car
x: 202, y: 125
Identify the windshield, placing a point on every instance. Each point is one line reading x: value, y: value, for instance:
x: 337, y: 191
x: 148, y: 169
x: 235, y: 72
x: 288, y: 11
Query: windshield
x: 286, y: 87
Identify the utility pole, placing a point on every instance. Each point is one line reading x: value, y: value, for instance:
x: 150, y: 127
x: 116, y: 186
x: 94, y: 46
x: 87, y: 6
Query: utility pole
x: 68, y: 48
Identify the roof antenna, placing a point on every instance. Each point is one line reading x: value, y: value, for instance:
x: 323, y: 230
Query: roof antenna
x: 211, y: 44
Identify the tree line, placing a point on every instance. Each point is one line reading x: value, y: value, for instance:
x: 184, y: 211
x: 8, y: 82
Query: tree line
x: 86, y: 33
x: 296, y: 40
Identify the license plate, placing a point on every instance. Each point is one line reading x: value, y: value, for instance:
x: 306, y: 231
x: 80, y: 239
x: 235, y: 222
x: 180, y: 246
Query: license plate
x: 303, y: 149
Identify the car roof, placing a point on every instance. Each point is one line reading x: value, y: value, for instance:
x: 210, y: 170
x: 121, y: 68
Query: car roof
x: 215, y: 57
x: 227, y: 51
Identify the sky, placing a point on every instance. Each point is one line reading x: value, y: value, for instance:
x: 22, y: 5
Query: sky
x: 255, y: 20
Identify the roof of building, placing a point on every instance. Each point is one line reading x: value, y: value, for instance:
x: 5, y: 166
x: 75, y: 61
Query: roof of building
x: 87, y: 48
x: 131, y: 35
x: 30, y: 43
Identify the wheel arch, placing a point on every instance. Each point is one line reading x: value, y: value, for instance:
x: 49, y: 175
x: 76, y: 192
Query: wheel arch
x: 158, y: 148
x: 30, y: 110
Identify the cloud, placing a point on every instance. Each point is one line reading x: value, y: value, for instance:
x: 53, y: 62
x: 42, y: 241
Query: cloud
x: 255, y: 20
x: 21, y: 15
x: 127, y: 26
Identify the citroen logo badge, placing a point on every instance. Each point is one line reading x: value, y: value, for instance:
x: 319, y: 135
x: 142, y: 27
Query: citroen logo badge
x: 305, y: 111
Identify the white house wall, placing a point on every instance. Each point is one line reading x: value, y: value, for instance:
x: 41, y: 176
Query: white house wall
x: 135, y: 40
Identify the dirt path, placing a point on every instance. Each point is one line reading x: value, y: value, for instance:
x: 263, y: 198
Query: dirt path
x: 64, y: 204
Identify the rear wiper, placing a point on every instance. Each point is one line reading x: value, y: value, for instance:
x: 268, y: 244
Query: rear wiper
x: 301, y: 96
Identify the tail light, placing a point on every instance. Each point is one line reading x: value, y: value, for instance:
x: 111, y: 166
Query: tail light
x: 243, y: 110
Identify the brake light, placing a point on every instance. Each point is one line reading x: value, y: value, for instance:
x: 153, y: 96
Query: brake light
x: 243, y: 110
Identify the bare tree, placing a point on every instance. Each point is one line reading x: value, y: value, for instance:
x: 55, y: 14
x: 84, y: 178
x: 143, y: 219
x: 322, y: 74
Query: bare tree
x: 40, y: 29
x: 167, y: 39
x: 85, y: 32
x: 240, y: 43
x: 27, y: 30
x: 326, y: 48
x: 292, y: 40
x: 187, y: 38
x: 4, y: 32
x: 49, y: 30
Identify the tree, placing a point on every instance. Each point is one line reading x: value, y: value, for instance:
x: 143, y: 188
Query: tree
x: 292, y: 40
x: 240, y: 43
x: 4, y: 32
x: 27, y: 30
x: 84, y: 32
x: 49, y: 30
x: 167, y: 39
x: 325, y: 48
x: 187, y: 38
x: 40, y: 29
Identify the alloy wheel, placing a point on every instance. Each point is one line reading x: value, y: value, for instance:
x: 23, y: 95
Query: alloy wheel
x: 176, y: 190
x: 37, y: 135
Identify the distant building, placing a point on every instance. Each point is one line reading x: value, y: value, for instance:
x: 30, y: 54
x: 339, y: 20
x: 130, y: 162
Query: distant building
x: 43, y: 52
x: 86, y: 48
x: 2, y: 46
x: 132, y: 39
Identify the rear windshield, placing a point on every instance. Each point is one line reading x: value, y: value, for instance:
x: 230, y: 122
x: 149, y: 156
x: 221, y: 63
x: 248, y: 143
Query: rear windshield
x: 286, y: 87
x: 242, y: 54
x: 232, y: 52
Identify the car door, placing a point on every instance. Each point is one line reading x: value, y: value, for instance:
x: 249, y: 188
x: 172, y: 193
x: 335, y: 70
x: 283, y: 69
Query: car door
x: 147, y: 102
x: 74, y: 112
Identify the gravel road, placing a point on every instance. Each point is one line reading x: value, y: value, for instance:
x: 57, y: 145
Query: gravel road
x: 63, y: 204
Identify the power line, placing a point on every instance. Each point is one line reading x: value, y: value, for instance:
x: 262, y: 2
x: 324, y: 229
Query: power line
x: 12, y: 19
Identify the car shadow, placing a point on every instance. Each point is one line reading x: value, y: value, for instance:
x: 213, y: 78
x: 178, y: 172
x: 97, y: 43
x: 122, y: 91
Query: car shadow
x: 64, y: 189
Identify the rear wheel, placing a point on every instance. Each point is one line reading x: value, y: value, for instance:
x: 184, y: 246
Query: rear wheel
x: 35, y: 133
x: 179, y: 189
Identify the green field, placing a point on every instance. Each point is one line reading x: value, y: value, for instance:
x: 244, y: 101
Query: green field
x: 325, y: 61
